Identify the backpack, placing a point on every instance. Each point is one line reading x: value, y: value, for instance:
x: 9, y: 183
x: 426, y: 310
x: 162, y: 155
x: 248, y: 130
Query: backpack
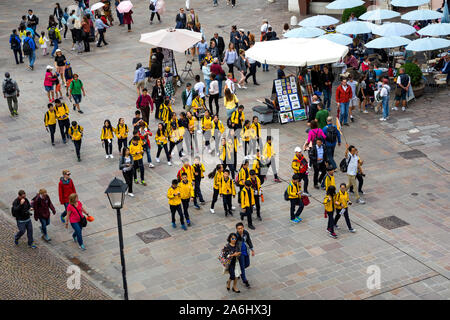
x: 52, y: 33
x: 10, y: 87
x: 27, y: 48
x: 286, y: 194
x: 332, y: 134
x: 343, y: 165
x: 303, y: 165
x: 404, y: 79
x: 151, y: 6
x: 229, y: 124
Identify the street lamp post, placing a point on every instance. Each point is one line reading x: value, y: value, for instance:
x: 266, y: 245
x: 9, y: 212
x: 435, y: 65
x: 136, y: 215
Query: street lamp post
x: 116, y: 195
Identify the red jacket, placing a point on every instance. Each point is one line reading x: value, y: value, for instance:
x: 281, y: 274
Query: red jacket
x: 65, y: 189
x: 42, y: 207
x: 343, y: 96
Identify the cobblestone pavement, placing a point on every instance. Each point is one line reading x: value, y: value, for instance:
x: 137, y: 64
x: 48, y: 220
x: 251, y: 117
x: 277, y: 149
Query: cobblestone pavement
x: 292, y: 261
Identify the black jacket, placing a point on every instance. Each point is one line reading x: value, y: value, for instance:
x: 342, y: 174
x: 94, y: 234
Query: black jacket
x: 181, y: 21
x: 21, y: 211
x: 244, y: 238
x: 325, y: 78
x: 155, y: 96
x: 313, y: 154
x: 156, y: 70
x: 220, y: 44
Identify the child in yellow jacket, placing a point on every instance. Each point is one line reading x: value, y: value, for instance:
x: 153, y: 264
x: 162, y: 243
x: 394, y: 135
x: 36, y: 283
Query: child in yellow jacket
x: 227, y: 190
x: 187, y: 192
x: 76, y: 133
x: 174, y: 196
x: 247, y: 203
x: 329, y: 202
x: 342, y: 203
x: 107, y: 136
x: 216, y: 174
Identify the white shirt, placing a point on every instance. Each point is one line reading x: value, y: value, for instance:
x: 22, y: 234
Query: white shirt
x: 230, y: 85
x: 385, y: 89
x: 352, y: 167
x: 200, y: 89
x: 353, y: 84
x: 214, y: 87
x: 265, y: 27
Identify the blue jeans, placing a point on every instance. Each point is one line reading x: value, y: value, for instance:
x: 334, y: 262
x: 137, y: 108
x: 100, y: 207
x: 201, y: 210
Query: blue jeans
x: 201, y: 56
x: 147, y: 150
x: 244, y: 262
x: 77, y: 232
x: 385, y: 102
x: 343, y: 117
x: 55, y: 46
x: 230, y: 112
x: 64, y: 214
x: 330, y: 155
x: 32, y: 58
x: 44, y: 224
x: 120, y: 16
x: 265, y: 67
x: 220, y: 88
x: 23, y: 226
x: 327, y: 98
x: 207, y: 82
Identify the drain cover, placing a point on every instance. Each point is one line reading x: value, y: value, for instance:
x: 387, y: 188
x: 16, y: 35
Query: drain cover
x: 391, y: 222
x: 412, y: 154
x: 153, y: 235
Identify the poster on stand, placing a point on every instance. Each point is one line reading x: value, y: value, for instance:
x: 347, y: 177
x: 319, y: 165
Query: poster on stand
x: 289, y: 100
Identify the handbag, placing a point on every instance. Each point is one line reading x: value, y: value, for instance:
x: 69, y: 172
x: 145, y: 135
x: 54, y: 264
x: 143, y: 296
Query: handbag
x: 305, y: 200
x: 224, y: 259
x: 83, y: 220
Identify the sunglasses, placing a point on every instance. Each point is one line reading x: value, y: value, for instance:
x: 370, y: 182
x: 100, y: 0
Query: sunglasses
x: 233, y: 239
x: 68, y: 174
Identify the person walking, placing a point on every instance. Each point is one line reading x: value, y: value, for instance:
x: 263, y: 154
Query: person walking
x: 332, y: 137
x: 342, y: 203
x: 128, y: 19
x: 107, y: 136
x: 76, y: 133
x: 326, y: 80
x: 16, y: 43
x: 253, y: 64
x: 329, y: 202
x: 145, y: 103
x: 65, y: 188
x: 186, y: 193
x: 300, y: 167
x: 244, y: 243
x: 241, y: 64
x: 49, y: 80
x: 137, y: 151
x: 50, y: 122
x: 154, y: 9
x: 385, y: 95
x: 403, y: 84
x: 122, y: 134
x: 294, y: 194
x: 29, y: 48
x: 42, y: 204
x: 32, y: 20
x: 232, y: 251
x: 21, y: 211
x: 158, y: 95
x: 60, y: 64
x: 174, y: 196
x: 321, y: 116
x: 139, y: 78
x: 162, y: 139
x: 247, y: 202
x: 76, y: 212
x: 180, y: 20
x: 318, y: 159
x: 214, y: 93
x: 353, y: 166
x: 101, y: 27
x: 126, y: 166
x: 269, y: 158
x: 144, y: 133
x: 119, y: 15
x: 343, y: 95
x: 256, y: 187
x: 55, y: 36
x: 76, y: 88
x: 227, y: 190
x: 187, y: 96
x: 354, y: 99
x: 216, y: 175
x: 230, y: 58
x: 62, y: 115
x: 11, y: 92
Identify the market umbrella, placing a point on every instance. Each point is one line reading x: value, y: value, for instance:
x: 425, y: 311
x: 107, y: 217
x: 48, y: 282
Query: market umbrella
x: 344, y: 4
x: 124, y: 6
x: 318, y: 21
x: 379, y: 14
x: 304, y: 32
x: 298, y: 52
x: 97, y: 6
x: 428, y: 44
x: 424, y: 14
x: 446, y: 16
x: 408, y: 3
x: 435, y: 29
x: 387, y: 42
x: 394, y: 29
x: 337, y: 38
x: 354, y: 27
x: 174, y: 39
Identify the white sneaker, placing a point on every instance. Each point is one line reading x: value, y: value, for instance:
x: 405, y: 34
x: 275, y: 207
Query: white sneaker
x: 365, y: 111
x: 131, y: 195
x: 107, y: 156
x: 169, y: 163
x: 211, y: 210
x: 157, y: 160
x: 395, y: 108
x: 182, y: 153
x: 111, y: 156
x: 233, y: 208
x: 244, y: 87
x: 150, y: 165
x: 382, y: 119
x: 199, y: 131
x: 403, y: 108
x: 239, y: 86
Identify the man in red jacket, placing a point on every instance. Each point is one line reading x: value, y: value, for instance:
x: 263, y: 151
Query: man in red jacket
x: 65, y: 189
x: 145, y: 104
x: 343, y: 96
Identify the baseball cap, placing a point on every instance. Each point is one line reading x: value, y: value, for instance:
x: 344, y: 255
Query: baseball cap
x: 298, y: 149
x: 58, y: 50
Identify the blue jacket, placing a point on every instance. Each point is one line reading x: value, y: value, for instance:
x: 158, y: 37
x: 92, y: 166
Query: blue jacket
x: 30, y: 42
x: 15, y: 44
x: 331, y: 144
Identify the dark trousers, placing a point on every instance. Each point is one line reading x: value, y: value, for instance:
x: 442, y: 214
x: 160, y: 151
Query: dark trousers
x: 65, y: 30
x: 304, y: 177
x: 296, y: 202
x: 214, y: 97
x: 319, y: 167
x: 157, y: 105
x: 160, y: 147
x: 258, y: 205
x: 173, y: 210
x: 215, y: 196
x: 347, y: 219
x: 120, y: 16
x: 138, y: 164
x: 101, y: 37
x: 128, y: 176
x: 172, y: 146
x: 86, y: 43
x: 360, y: 179
x: 227, y: 203
x: 185, y: 203
x: 18, y: 52
x: 230, y: 69
x: 246, y: 147
x: 25, y: 226
x: 248, y: 213
x: 64, y: 126
x: 153, y: 15
x: 145, y: 111
x: 244, y: 262
x: 330, y: 155
x: 198, y: 192
x: 129, y: 26
x: 52, y: 129
x: 122, y: 143
x: 330, y: 221
x: 252, y: 73
x: 77, y: 144
x: 108, y: 146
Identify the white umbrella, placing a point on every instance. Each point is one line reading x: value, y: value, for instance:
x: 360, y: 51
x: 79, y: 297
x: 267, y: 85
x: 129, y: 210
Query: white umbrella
x: 422, y: 15
x: 387, y: 42
x: 408, y: 3
x: 174, y: 39
x: 379, y: 14
x: 394, y: 29
x: 337, y: 38
x: 344, y: 4
x: 318, y: 21
x: 428, y: 44
x: 354, y: 27
x: 304, y: 32
x: 297, y: 52
x: 124, y: 6
x: 97, y: 6
x: 435, y: 29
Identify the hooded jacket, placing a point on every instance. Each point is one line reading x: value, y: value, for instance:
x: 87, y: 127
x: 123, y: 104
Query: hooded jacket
x: 65, y: 189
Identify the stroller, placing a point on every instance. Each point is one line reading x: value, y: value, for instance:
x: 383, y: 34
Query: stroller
x: 268, y: 113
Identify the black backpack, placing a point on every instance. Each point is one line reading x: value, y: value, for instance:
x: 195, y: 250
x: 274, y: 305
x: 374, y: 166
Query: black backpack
x: 27, y: 48
x: 151, y: 6
x: 10, y: 87
x: 332, y: 134
x: 52, y: 33
x: 344, y: 165
x: 404, y: 79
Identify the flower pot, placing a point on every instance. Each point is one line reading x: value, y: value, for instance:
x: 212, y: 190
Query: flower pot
x: 418, y: 90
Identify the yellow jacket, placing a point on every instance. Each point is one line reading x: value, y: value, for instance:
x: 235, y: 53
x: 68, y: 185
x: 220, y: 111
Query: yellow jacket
x: 243, y: 175
x: 217, y: 179
x: 173, y: 196
x: 258, y: 185
x: 107, y: 133
x: 136, y: 151
x: 329, y: 181
x: 247, y: 133
x: 186, y: 189
x: 206, y: 123
x: 76, y: 132
x: 50, y: 118
x: 192, y: 124
x: 329, y: 204
x: 247, y: 198
x: 236, y: 118
x: 257, y: 129
x: 161, y: 139
x: 165, y: 112
x: 225, y: 151
x: 296, y: 164
x: 121, y: 131
x: 227, y: 187
x: 267, y: 151
x: 189, y: 171
x: 293, y: 189
x: 343, y: 200
x: 202, y: 169
x: 219, y: 125
x: 197, y: 104
x: 62, y: 112
x: 175, y: 134
x: 256, y: 164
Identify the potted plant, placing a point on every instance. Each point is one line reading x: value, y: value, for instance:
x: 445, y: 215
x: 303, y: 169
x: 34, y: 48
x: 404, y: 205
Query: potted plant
x: 414, y: 72
x: 356, y: 10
